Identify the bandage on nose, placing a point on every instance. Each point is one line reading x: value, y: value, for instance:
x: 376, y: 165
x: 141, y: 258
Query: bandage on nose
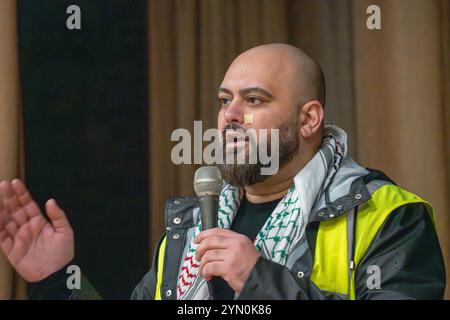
x: 248, y: 118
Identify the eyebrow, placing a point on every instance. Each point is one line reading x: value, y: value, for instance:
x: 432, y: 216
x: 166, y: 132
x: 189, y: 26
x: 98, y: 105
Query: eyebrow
x: 246, y: 91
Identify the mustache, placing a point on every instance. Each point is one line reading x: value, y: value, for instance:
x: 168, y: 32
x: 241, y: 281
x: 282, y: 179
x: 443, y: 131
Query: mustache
x: 233, y: 126
x: 240, y: 130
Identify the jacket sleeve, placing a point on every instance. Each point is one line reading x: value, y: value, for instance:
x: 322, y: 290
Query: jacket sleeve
x: 406, y: 250
x: 54, y: 287
x: 407, y: 254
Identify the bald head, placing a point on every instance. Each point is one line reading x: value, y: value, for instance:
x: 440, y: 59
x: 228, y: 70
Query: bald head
x: 277, y: 86
x: 289, y: 65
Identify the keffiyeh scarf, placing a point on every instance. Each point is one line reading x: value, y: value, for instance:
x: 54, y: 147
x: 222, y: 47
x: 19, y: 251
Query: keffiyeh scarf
x: 285, y: 226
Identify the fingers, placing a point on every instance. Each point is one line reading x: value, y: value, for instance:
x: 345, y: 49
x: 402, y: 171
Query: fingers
x: 9, y: 196
x: 11, y: 228
x: 12, y: 205
x: 211, y: 243
x: 21, y: 245
x: 213, y: 269
x: 4, y: 217
x: 210, y: 256
x: 215, y: 232
x: 24, y: 198
x: 7, y: 224
x: 3, y: 232
x: 6, y: 244
x: 56, y: 215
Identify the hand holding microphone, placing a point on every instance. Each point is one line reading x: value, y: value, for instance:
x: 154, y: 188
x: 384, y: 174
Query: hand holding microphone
x: 207, y: 185
x: 221, y: 252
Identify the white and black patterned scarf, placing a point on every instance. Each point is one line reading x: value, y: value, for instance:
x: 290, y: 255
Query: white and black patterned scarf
x: 285, y: 226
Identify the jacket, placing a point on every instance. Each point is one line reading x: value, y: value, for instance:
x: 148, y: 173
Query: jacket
x: 366, y: 238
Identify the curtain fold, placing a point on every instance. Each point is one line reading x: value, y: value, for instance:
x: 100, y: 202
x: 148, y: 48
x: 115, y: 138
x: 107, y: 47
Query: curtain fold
x: 11, y: 146
x: 399, y: 102
x: 445, y: 74
x: 324, y: 30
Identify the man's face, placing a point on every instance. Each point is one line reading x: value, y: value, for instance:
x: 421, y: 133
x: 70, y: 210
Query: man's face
x: 261, y: 88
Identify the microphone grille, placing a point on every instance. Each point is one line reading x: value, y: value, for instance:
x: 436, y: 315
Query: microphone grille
x: 208, y: 181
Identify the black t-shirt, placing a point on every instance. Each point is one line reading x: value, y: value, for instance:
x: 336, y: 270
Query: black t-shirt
x: 249, y: 220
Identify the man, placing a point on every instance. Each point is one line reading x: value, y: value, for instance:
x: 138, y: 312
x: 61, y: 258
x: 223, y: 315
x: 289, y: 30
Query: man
x: 322, y: 227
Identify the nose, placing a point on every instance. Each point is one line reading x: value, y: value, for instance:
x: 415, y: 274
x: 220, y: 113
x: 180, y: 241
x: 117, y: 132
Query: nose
x: 234, y: 113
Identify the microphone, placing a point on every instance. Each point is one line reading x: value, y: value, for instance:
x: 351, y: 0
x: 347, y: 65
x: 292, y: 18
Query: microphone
x: 208, y: 185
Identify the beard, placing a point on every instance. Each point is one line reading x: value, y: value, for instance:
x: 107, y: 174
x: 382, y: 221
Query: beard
x: 241, y: 175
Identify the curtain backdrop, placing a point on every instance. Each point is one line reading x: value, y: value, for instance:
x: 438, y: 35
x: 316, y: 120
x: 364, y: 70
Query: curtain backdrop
x: 388, y: 88
x: 11, y: 144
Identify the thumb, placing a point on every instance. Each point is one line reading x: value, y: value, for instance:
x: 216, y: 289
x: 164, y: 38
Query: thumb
x: 56, y: 214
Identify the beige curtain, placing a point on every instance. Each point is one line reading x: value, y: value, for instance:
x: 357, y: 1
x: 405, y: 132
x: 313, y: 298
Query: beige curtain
x: 388, y: 88
x: 11, y: 145
x: 401, y: 77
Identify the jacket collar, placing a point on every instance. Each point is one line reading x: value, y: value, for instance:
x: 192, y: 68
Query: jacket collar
x: 346, y: 191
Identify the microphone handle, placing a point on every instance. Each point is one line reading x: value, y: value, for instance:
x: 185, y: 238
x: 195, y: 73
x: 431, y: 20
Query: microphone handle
x: 209, y: 205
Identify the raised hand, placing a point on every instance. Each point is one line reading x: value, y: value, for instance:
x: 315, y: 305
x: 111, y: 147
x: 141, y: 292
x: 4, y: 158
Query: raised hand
x: 34, y: 246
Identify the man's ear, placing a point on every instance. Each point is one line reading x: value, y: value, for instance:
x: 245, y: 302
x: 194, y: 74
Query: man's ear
x: 311, y: 118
